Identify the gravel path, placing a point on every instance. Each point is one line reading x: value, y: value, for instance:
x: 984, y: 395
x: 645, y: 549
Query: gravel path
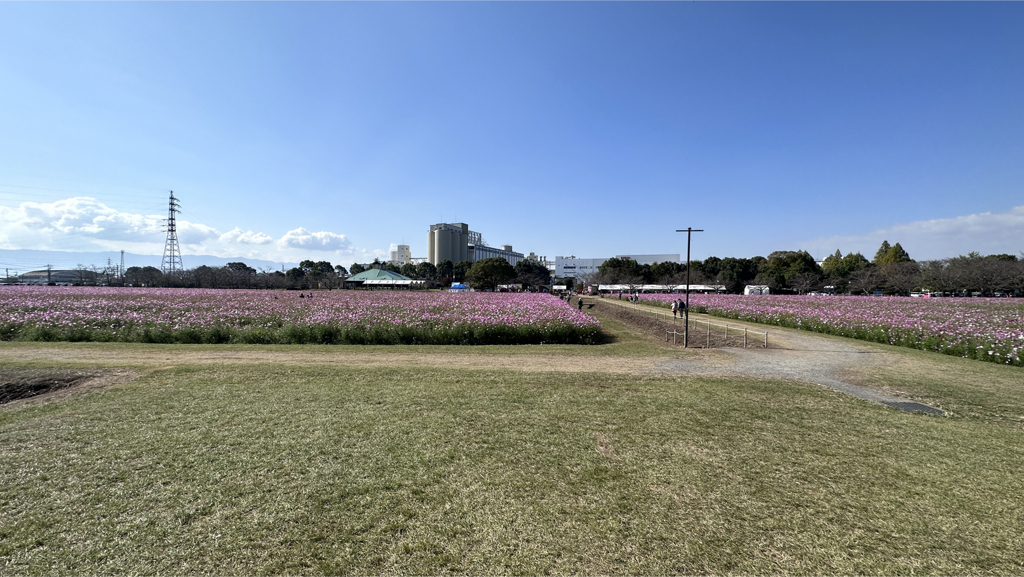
x: 795, y: 356
x: 803, y: 357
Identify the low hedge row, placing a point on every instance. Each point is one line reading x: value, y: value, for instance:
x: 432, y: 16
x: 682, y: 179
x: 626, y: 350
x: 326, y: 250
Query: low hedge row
x: 312, y: 334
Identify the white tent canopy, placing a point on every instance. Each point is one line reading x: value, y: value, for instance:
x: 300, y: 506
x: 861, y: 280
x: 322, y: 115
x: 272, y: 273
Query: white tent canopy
x: 393, y: 282
x: 661, y: 288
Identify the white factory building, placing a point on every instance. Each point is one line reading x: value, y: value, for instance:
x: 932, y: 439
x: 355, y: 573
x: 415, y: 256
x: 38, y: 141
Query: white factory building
x: 400, y: 254
x: 571, y: 266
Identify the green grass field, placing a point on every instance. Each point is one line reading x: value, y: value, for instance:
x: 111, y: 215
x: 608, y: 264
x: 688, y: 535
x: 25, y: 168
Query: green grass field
x: 418, y: 460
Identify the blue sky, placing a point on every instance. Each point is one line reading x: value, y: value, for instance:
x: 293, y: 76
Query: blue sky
x: 331, y: 130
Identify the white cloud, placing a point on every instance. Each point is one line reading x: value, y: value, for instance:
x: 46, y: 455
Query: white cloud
x: 85, y: 224
x: 987, y: 233
x: 302, y: 238
x: 237, y: 235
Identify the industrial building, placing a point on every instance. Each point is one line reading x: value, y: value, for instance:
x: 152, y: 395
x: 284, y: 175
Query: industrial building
x: 42, y: 277
x: 400, y: 254
x: 570, y: 266
x: 481, y: 251
x: 455, y: 242
x: 448, y: 241
x: 543, y: 261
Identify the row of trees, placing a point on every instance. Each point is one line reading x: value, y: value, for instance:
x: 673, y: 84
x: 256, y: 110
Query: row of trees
x: 891, y: 271
x: 308, y: 274
x: 485, y: 273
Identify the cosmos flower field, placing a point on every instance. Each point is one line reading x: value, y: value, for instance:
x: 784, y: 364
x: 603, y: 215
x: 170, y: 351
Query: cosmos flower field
x: 977, y: 328
x: 282, y: 317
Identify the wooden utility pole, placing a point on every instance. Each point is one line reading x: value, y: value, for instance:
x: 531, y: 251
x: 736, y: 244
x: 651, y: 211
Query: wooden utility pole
x: 686, y: 309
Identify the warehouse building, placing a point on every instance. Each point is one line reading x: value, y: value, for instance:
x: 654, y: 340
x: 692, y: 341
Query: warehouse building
x: 481, y: 251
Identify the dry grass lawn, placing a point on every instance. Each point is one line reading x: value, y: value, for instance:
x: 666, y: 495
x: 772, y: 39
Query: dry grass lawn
x: 502, y: 460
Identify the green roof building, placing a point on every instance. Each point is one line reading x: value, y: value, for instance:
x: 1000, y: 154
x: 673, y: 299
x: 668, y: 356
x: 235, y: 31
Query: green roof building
x: 382, y: 278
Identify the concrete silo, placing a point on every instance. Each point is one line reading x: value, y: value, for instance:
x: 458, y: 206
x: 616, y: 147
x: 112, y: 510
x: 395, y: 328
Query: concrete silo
x: 448, y: 241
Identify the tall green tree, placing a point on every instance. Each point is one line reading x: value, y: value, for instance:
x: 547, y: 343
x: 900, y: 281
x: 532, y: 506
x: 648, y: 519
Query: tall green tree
x: 239, y: 274
x: 297, y: 277
x: 734, y: 273
x: 532, y: 274
x: 837, y: 266
x: 896, y: 254
x: 445, y: 269
x: 666, y: 272
x: 426, y: 270
x: 460, y: 270
x: 782, y: 268
x: 621, y: 270
x: 882, y: 251
x: 488, y: 273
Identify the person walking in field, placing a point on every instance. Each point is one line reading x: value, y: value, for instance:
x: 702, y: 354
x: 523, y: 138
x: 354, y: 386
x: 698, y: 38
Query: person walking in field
x: 674, y: 303
x: 579, y: 304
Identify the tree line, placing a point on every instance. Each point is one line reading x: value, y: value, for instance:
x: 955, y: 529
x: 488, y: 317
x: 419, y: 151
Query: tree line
x: 238, y: 275
x: 891, y: 271
x: 485, y: 273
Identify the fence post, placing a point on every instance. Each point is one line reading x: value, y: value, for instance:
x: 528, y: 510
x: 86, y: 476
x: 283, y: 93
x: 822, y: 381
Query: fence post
x: 744, y: 337
x: 674, y: 333
x: 766, y: 339
x: 708, y: 345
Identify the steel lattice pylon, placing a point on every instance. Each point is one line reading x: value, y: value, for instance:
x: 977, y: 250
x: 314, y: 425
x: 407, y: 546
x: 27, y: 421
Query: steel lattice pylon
x: 171, y: 262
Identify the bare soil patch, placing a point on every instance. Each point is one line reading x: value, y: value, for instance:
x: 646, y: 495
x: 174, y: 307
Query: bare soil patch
x: 21, y: 383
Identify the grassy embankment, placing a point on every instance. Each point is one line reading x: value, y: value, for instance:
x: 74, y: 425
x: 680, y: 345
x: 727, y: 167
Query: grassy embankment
x: 245, y: 459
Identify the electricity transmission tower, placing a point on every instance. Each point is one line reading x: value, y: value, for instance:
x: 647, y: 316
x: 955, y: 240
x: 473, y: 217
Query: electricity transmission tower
x: 171, y: 262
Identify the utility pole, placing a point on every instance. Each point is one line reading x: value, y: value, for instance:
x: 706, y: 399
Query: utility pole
x: 686, y: 310
x: 121, y: 270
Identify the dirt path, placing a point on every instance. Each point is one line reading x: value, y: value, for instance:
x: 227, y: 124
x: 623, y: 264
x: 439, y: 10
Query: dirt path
x: 794, y: 355
x: 804, y: 358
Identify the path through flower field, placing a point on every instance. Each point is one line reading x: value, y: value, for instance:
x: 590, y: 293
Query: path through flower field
x: 984, y: 329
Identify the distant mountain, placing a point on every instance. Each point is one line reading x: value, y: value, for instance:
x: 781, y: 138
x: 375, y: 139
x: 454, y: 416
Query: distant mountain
x: 22, y: 261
